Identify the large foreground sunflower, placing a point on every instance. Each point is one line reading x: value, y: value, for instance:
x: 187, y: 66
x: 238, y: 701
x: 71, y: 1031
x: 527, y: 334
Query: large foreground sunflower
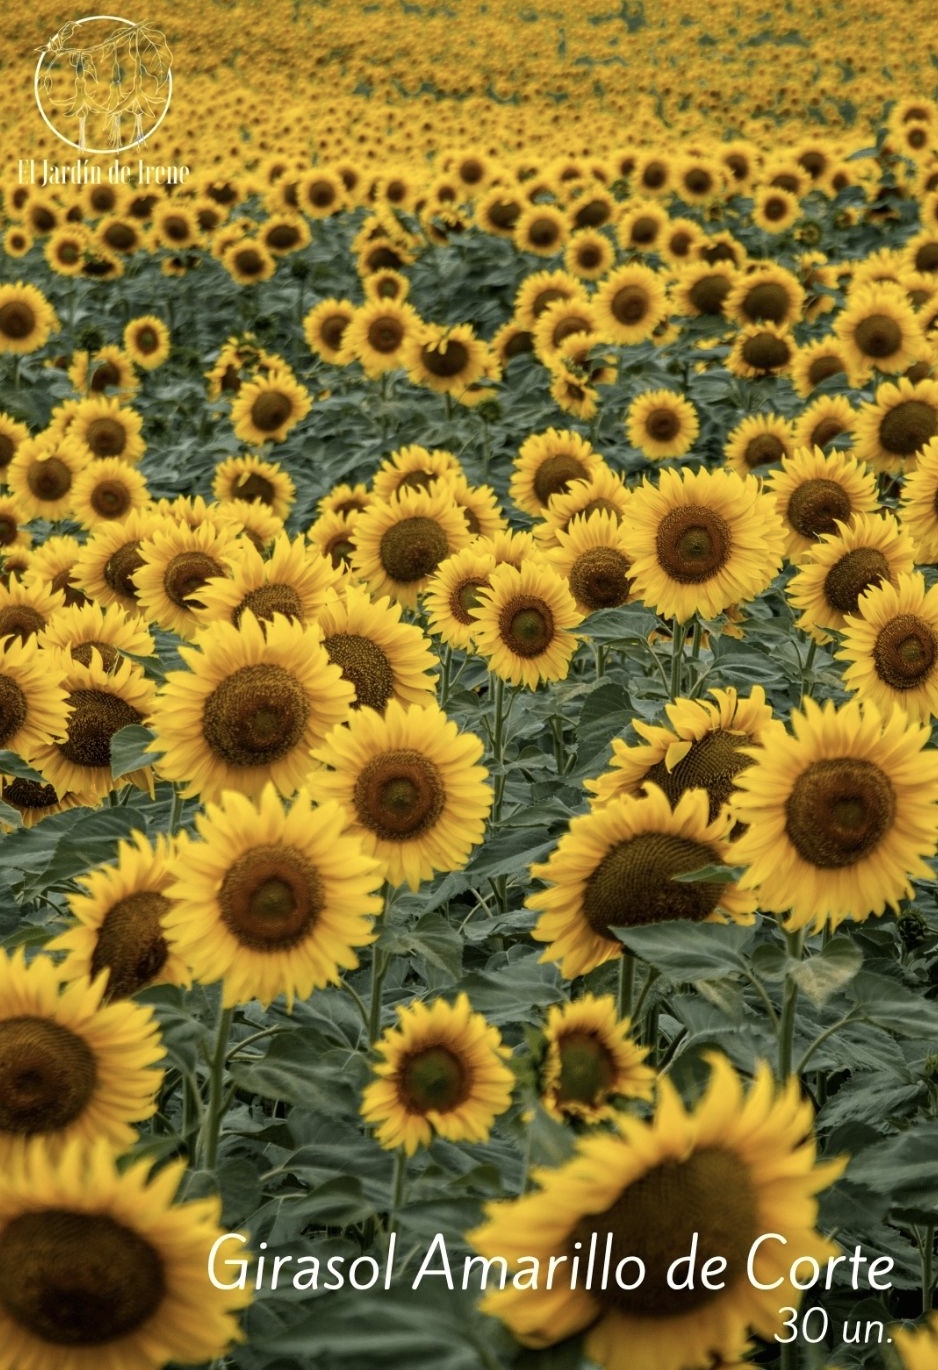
x: 841, y: 817
x: 98, y: 1268
x: 731, y: 1170
x: 442, y: 1072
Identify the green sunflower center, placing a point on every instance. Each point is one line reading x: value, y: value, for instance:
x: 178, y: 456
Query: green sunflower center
x: 14, y: 709
x: 270, y: 898
x: 366, y: 666
x: 633, y: 884
x: 433, y: 1080
x: 185, y: 574
x: 878, y: 336
x: 555, y: 475
x: 266, y: 600
x: 855, y: 572
x: 256, y: 716
x: 106, y: 437
x: 49, y: 479
x: 130, y: 943
x: 712, y: 764
x: 465, y: 599
x: 399, y: 795
x: 838, y: 811
x: 905, y: 652
x: 77, y: 1279
x: 587, y: 1069
x: 121, y: 567
x: 693, y: 544
x: 907, y: 427
x: 413, y: 548
x: 48, y: 1076
x: 270, y: 410
x: 526, y: 626
x: 599, y: 578
x: 96, y: 716
x: 816, y: 505
x: 110, y: 499
x: 655, y: 1218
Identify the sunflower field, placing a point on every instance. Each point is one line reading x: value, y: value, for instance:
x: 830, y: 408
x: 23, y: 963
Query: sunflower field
x: 468, y: 665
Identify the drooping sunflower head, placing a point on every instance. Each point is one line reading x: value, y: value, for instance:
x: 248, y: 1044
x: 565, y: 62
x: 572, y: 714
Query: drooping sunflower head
x: 895, y: 427
x: 833, y: 574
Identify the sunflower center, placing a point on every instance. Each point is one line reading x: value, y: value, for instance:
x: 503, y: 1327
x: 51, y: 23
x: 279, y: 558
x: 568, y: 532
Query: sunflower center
x: 77, y: 1279
x: 110, y: 656
x: 630, y: 304
x: 599, y: 578
x: 130, y: 943
x: 855, y: 572
x: 707, y: 294
x: 365, y: 666
x: 543, y: 232
x: 110, y: 499
x: 555, y: 475
x: 763, y: 450
x: 107, y: 374
x: 121, y: 567
x: 655, y: 1218
x: 765, y: 352
x: 768, y: 300
x: 433, y: 1081
x: 146, y: 340
x: 449, y: 359
x: 13, y: 709
x: 464, y: 599
x: 644, y: 231
x: 17, y: 320
x: 340, y: 551
x: 586, y: 1068
x: 399, y: 795
x: 413, y: 549
x: 878, y: 336
x: 693, y: 544
x: 8, y: 531
x: 266, y: 600
x: 28, y: 795
x: 712, y: 764
x: 187, y: 573
x: 270, y: 897
x: 47, y: 1075
x: 816, y: 506
x: 822, y: 367
x: 20, y: 620
x: 838, y: 811
x: 385, y: 335
x: 633, y: 884
x: 906, y: 428
x: 663, y: 424
x: 905, y: 652
x: 826, y: 431
x: 270, y: 410
x: 256, y: 716
x: 49, y: 479
x: 96, y: 716
x: 526, y: 626
x: 106, y: 437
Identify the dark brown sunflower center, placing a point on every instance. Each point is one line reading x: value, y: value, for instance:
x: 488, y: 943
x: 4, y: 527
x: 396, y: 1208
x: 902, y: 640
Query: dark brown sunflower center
x: 826, y: 431
x: 110, y: 656
x: 49, y: 479
x: 14, y: 709
x: 385, y: 334
x: 544, y: 298
x: 17, y: 320
x: 96, y: 716
x: 413, y: 548
x: 251, y: 485
x: 878, y: 336
x: 365, y: 666
x: 588, y: 256
x: 449, y: 359
x: 633, y: 884
x: 130, y: 943
x: 8, y: 531
x: 767, y: 300
x: 270, y: 410
x: 544, y: 231
x: 630, y: 304
x: 121, y: 567
x: 249, y: 261
x: 340, y: 551
x: 596, y: 506
x: 106, y: 437
x: 855, y: 572
x: 147, y: 340
x: 707, y: 294
x: 663, y: 424
x: 186, y: 574
x: 399, y: 795
x: 20, y: 620
x: 655, y: 1219
x: 555, y: 475
x: 712, y: 764
x: 816, y: 505
x: 526, y: 626
x: 271, y: 897
x: 266, y: 600
x: 256, y: 716
x: 654, y: 175
x: 110, y: 499
x: 824, y: 366
x: 107, y: 374
x: 763, y: 450
x: 644, y: 231
x: 28, y: 795
x: 332, y: 330
x: 905, y: 652
x: 765, y: 352
x: 77, y: 1279
x: 47, y: 1075
x: 693, y: 544
x: 433, y: 1080
x: 587, y: 1069
x: 907, y: 427
x: 775, y: 208
x: 838, y: 811
x: 599, y: 578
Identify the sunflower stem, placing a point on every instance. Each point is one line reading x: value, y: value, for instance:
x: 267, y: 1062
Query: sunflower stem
x: 601, y: 656
x: 175, y: 813
x: 806, y: 667
x: 446, y: 661
x: 626, y: 984
x: 397, y: 1185
x: 698, y: 639
x: 448, y: 406
x: 786, y: 1034
x: 211, y: 1123
x: 499, y: 722
x: 677, y: 657
x: 927, y: 1248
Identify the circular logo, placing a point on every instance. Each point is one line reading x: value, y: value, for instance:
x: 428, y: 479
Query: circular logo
x: 104, y: 84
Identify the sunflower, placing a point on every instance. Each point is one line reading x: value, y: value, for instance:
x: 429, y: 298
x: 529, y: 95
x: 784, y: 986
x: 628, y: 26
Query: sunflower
x: 100, y: 703
x: 603, y: 493
x: 705, y: 747
x: 71, y: 1066
x: 147, y: 341
x: 761, y: 349
x: 878, y: 327
x: 410, y: 468
x: 381, y: 656
x: 324, y: 328
x: 775, y: 210
x: 249, y: 477
x: 592, y: 555
x: 590, y: 1060
x: 813, y: 490
x: 176, y: 561
x: 835, y: 572
x: 412, y: 786
x: 26, y: 606
x: 641, y: 226
x: 399, y: 545
x: 252, y: 521
x: 26, y: 318
x: 542, y: 289
x: 453, y: 593
x: 17, y: 242
x: 829, y: 417
x: 478, y: 504
x: 918, y: 504
x: 498, y: 210
x: 702, y: 541
x: 348, y: 499
x: 52, y: 564
x: 265, y: 409
x: 523, y: 621
x: 559, y: 322
x: 542, y: 229
x: 893, y: 429
x: 271, y: 900
x: 818, y: 361
x: 386, y: 285
x: 630, y: 303
x: 12, y: 434
x: 589, y: 254
x: 292, y: 581
x: 918, y: 1347
x: 761, y: 440
x: 377, y: 334
x: 842, y: 816
x: 65, y: 250
x: 32, y: 698
x: 98, y: 1267
x: 717, y: 1177
x: 41, y: 476
x: 445, y: 360
x: 547, y: 464
x: 331, y: 535
x: 443, y: 1072
x: 765, y: 294
x: 891, y: 647
x: 33, y: 800
x: 108, y: 429
x: 106, y: 490
x: 662, y: 423
x: 701, y: 289
x: 110, y: 558
x: 80, y: 629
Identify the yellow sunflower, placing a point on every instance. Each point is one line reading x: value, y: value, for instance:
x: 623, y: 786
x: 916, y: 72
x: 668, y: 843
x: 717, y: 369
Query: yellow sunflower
x: 107, y: 369
x: 412, y: 786
x: 878, y: 328
x: 26, y: 318
x: 251, y: 520
x: 834, y: 573
x: 630, y: 303
x: 603, y: 493
x: 765, y: 293
x: 349, y: 499
x: 51, y: 565
x: 453, y: 593
x: 662, y: 423
x: 813, y: 490
x: 42, y: 474
x: 891, y: 647
x: 641, y: 226
x: 761, y: 349
x: 445, y: 360
x: 918, y: 504
x: 271, y: 900
x: 111, y: 631
x: 324, y: 328
x: 147, y: 341
x: 615, y: 867
x: 377, y: 334
x: 542, y: 229
x: 71, y: 1066
x: 108, y: 429
x: 841, y: 817
x: 542, y: 289
x: 33, y: 705
x: 479, y: 506
x: 26, y: 607
x: 547, y: 464
x: 702, y: 541
x: 442, y: 1072
x: 826, y: 419
x: 251, y: 478
x: 12, y: 434
x: 265, y: 409
x: 380, y: 655
x: 815, y: 362
x: 107, y: 489
x: 560, y: 321
x: 99, y: 1268
x: 592, y: 555
x: 716, y: 1178
x: 891, y: 430
x: 702, y: 289
x: 919, y: 1347
x: 248, y: 708
x: 399, y: 545
x: 110, y: 558
x: 590, y: 1061
x: 589, y: 254
x: 761, y: 440
x: 292, y: 581
x: 775, y: 210
x: 407, y: 468
x: 523, y: 621
x: 332, y: 536
x: 176, y: 561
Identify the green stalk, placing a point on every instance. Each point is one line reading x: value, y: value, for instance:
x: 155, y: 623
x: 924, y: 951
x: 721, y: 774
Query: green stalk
x: 928, y: 1279
x: 211, y: 1123
x: 397, y: 1186
x: 626, y: 983
x: 786, y: 1034
x: 379, y: 966
x: 175, y: 813
x: 677, y: 657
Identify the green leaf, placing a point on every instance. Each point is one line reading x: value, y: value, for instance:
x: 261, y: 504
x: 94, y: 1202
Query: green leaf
x: 90, y: 839
x: 901, y: 1167
x: 688, y: 951
x: 717, y: 874
x: 128, y: 749
x: 833, y: 967
x: 891, y: 1005
x: 433, y: 938
x: 11, y: 764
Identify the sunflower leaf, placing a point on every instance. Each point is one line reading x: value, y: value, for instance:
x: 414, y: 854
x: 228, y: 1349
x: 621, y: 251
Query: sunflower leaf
x: 128, y: 749
x: 686, y: 951
x: 835, y: 966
